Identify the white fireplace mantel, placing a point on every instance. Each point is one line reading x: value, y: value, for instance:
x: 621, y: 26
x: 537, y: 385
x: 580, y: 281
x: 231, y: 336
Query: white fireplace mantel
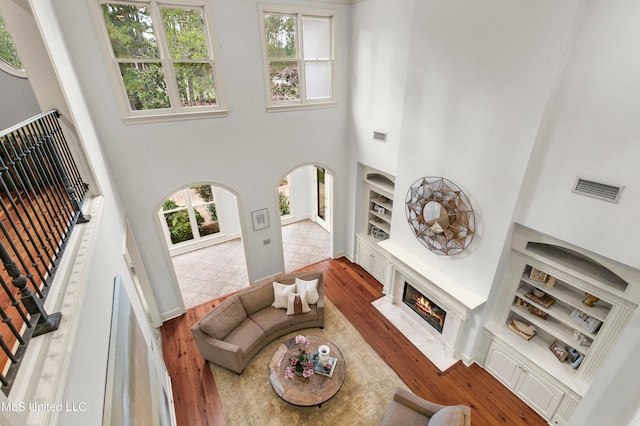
x: 457, y: 301
x: 461, y: 296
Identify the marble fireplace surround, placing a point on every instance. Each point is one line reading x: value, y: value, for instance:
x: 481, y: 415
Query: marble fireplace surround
x: 456, y: 300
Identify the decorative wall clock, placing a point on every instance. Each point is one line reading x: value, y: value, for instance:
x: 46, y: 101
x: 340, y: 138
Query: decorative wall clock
x: 440, y: 215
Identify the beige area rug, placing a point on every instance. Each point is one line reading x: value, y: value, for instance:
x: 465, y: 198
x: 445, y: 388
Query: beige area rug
x: 248, y: 399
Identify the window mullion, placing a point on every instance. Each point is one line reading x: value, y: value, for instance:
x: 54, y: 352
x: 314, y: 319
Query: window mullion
x: 165, y: 57
x: 302, y: 80
x: 191, y: 213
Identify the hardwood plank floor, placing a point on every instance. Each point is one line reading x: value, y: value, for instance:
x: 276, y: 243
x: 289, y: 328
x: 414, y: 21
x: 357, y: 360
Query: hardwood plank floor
x: 351, y: 289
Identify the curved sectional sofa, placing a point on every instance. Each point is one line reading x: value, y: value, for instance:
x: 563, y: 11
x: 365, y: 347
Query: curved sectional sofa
x: 237, y: 329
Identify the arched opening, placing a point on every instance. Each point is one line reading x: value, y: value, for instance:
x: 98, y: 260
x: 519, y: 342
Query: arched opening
x: 201, y: 228
x: 306, y: 211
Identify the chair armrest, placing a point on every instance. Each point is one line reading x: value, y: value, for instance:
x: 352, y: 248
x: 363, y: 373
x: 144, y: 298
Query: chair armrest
x: 218, y: 351
x: 411, y: 400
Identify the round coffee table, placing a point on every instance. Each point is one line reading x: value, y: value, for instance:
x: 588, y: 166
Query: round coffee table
x: 314, y: 390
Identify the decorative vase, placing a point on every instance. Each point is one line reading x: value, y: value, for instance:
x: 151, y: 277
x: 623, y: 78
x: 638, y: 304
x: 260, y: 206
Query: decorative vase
x: 323, y: 351
x: 590, y: 300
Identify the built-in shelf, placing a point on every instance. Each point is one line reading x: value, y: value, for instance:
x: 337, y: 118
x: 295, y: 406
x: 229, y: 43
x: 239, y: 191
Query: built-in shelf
x: 564, y: 278
x: 377, y: 195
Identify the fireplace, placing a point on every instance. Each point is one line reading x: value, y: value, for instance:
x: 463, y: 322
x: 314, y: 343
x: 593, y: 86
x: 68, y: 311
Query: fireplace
x: 433, y: 314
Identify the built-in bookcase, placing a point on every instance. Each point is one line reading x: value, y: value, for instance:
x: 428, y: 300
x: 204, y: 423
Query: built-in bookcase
x: 377, y: 193
x: 572, y: 305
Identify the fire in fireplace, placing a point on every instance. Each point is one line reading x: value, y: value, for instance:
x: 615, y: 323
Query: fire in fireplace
x: 420, y: 304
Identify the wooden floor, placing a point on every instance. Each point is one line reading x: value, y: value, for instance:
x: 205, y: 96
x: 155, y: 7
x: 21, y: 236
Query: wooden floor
x: 351, y: 290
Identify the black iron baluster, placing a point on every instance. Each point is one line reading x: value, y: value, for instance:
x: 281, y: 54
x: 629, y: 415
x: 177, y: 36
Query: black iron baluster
x: 22, y: 187
x: 46, y: 322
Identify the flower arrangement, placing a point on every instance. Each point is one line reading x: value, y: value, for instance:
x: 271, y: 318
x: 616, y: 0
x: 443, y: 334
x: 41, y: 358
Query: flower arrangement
x: 300, y: 363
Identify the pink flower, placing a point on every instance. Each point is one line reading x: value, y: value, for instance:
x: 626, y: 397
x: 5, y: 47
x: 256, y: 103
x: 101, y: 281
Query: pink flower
x: 288, y: 373
x: 302, y: 340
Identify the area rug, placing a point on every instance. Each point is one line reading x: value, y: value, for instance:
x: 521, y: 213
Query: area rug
x: 248, y: 399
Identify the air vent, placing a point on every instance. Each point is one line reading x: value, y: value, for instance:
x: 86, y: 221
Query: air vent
x: 598, y: 190
x: 379, y: 136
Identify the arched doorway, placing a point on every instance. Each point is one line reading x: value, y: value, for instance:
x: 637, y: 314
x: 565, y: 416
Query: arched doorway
x: 306, y: 210
x: 201, y: 228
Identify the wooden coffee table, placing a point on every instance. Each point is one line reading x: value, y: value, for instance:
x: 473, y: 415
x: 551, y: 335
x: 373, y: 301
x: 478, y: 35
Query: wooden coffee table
x: 314, y: 390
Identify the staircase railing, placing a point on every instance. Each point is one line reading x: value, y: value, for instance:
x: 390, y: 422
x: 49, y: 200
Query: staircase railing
x: 41, y: 195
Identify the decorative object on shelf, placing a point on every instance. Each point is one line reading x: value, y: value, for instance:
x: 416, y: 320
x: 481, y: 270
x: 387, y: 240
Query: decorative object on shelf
x: 581, y: 338
x: 379, y: 233
x: 521, y: 303
x: 585, y: 320
x: 538, y: 275
x: 575, y: 358
x: 590, y: 300
x: 323, y: 352
x: 539, y: 312
x: 559, y: 351
x: 300, y: 363
x: 551, y: 282
x: 526, y: 331
x: 440, y: 215
x: 544, y: 299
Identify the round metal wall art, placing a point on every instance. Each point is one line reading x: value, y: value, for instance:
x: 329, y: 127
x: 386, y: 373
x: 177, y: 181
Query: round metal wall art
x: 440, y: 215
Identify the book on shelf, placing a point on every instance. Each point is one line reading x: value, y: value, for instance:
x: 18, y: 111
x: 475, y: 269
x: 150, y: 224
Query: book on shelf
x: 328, y: 370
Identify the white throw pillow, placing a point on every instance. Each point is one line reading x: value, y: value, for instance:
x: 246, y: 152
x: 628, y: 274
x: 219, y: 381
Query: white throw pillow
x: 311, y: 288
x: 280, y: 292
x: 297, y: 303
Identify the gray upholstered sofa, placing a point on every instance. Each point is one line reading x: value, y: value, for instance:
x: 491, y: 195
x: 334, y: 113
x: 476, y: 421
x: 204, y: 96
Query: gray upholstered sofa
x: 408, y: 409
x: 235, y: 331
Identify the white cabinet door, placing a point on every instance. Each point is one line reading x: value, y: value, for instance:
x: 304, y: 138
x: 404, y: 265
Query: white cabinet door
x: 541, y: 395
x: 502, y: 366
x: 371, y: 260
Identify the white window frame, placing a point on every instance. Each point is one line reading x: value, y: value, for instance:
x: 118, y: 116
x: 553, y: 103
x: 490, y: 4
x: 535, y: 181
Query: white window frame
x: 197, y: 241
x: 302, y: 103
x: 177, y: 111
x: 288, y: 191
x: 7, y: 67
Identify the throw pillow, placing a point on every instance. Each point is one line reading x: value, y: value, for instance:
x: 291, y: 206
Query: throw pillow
x: 311, y: 287
x: 297, y: 303
x: 224, y: 319
x: 280, y: 292
x: 448, y: 416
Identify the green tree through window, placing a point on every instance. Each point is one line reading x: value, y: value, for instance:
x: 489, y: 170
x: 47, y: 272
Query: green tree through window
x: 163, y: 55
x: 8, y: 52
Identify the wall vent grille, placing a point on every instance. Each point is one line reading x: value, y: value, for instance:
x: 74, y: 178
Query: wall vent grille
x: 599, y: 190
x: 379, y: 136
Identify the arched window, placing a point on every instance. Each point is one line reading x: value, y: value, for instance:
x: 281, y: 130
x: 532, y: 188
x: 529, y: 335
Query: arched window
x: 9, y: 59
x: 190, y: 214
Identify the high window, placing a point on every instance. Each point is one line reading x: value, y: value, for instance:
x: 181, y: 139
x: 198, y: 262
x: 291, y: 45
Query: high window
x: 163, y: 57
x: 298, y: 51
x: 9, y: 58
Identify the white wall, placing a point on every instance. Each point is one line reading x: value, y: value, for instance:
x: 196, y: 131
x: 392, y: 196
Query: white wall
x: 593, y: 133
x: 380, y: 49
x: 381, y: 31
x: 17, y: 102
x: 248, y: 152
x: 478, y: 81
